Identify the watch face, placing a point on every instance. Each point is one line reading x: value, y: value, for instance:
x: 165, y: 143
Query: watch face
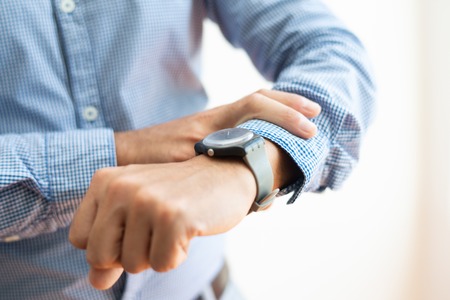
x: 228, y: 137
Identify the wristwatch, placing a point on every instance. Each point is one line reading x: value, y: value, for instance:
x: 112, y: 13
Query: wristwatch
x: 250, y: 146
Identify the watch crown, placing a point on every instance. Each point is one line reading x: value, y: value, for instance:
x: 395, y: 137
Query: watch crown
x: 210, y: 152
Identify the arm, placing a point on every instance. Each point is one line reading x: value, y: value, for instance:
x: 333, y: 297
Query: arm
x: 304, y: 49
x: 143, y: 216
x: 43, y: 176
x: 174, y: 141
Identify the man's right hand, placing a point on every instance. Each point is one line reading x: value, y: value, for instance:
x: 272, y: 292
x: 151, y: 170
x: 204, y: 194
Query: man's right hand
x: 174, y: 141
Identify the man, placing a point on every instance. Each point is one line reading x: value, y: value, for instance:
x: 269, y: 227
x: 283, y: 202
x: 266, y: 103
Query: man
x: 92, y: 84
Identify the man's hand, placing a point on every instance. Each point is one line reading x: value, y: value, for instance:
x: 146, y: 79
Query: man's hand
x: 174, y: 141
x: 144, y: 216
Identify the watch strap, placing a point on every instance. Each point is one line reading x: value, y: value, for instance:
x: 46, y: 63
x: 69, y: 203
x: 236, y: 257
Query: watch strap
x: 259, y: 164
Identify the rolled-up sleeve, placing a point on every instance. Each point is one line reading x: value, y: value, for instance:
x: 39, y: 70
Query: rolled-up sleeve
x: 304, y: 49
x: 43, y: 177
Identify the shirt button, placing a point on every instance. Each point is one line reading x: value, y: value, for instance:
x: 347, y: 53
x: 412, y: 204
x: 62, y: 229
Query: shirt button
x: 67, y: 6
x: 90, y: 113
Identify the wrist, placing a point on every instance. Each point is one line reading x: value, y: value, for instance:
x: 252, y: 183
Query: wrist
x: 231, y: 171
x: 250, y: 149
x: 124, y: 148
x: 284, y: 169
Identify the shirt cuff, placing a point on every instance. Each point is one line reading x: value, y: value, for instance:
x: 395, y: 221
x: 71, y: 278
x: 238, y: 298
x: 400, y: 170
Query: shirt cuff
x: 309, y: 155
x: 72, y: 158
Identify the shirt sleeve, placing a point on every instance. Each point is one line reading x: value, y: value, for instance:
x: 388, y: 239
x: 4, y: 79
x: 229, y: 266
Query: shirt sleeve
x: 304, y: 49
x: 44, y: 176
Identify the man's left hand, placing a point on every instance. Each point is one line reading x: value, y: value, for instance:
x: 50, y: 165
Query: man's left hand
x: 144, y: 216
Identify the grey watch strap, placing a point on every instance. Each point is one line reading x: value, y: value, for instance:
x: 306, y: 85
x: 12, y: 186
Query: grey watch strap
x: 258, y: 162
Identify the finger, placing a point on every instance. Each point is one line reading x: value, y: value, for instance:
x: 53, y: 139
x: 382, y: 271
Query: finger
x: 105, y: 239
x: 136, y: 241
x: 104, y: 279
x: 85, y: 216
x: 308, y: 108
x: 82, y: 221
x: 265, y: 108
x: 168, y: 247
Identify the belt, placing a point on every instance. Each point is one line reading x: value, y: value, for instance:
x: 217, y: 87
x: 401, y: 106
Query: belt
x: 217, y: 285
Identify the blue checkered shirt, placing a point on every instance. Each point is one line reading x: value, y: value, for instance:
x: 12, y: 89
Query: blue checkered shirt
x: 74, y: 71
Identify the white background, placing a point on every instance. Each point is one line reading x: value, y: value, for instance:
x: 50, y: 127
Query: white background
x: 385, y: 235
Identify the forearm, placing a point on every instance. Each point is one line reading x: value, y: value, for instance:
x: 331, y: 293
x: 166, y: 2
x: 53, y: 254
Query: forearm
x: 342, y: 84
x: 174, y: 141
x: 305, y: 49
x: 171, y: 141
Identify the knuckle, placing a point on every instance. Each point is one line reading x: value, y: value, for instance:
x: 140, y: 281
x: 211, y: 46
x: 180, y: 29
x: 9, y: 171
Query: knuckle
x: 92, y: 260
x: 254, y: 104
x: 291, y: 116
x: 298, y: 100
x: 120, y: 184
x: 163, y: 266
x: 257, y: 98
x: 142, y: 207
x: 194, y: 229
x: 133, y: 267
x: 141, y: 204
x: 160, y: 267
x: 116, y: 186
x: 245, y: 103
x: 179, y: 255
x: 76, y: 241
x: 145, y: 198
x: 98, y: 262
x: 168, y: 214
x: 101, y: 174
x: 262, y: 91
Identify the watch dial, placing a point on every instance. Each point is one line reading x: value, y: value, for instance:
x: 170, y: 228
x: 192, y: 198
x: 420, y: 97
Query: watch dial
x: 228, y: 137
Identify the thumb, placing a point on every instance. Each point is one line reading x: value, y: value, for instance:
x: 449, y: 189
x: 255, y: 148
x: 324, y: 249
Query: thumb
x: 103, y: 279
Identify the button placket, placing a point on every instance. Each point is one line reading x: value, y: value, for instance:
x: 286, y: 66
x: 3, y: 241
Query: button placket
x: 80, y: 63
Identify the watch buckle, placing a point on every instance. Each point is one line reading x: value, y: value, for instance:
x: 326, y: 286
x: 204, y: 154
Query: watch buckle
x: 264, y: 203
